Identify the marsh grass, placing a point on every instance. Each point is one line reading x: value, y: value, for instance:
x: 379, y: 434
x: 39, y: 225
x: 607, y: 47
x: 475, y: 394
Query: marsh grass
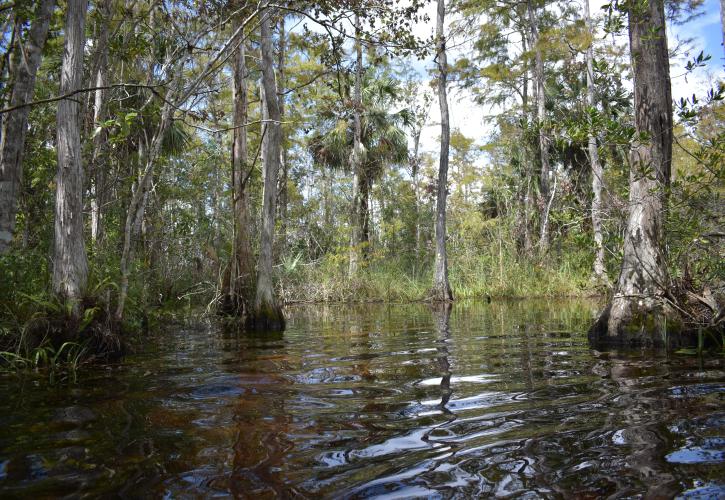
x: 472, y: 276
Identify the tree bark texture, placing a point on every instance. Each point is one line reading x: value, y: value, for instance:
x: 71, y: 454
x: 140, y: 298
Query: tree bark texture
x: 414, y: 166
x: 638, y: 308
x: 98, y: 159
x: 23, y: 69
x: 9, y: 30
x: 600, y: 272
x: 267, y: 314
x: 70, y: 264
x: 441, y: 291
x: 283, y: 195
x: 239, y: 283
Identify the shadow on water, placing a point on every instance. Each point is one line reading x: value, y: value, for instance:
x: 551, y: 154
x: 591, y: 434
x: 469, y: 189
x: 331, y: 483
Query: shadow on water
x: 501, y: 399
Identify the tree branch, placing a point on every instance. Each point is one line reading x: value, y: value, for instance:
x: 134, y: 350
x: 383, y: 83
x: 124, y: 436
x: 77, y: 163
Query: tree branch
x: 68, y: 95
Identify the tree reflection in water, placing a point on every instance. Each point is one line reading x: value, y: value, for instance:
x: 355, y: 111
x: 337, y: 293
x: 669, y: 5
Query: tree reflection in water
x: 441, y: 320
x: 263, y: 422
x: 502, y: 399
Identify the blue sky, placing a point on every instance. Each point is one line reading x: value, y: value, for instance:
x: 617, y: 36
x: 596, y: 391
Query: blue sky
x: 708, y: 29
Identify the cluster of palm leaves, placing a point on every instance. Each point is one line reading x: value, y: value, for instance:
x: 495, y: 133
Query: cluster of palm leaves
x: 384, y: 140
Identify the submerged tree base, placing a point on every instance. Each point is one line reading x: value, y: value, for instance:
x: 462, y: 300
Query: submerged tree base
x: 626, y: 323
x: 265, y: 317
x: 441, y: 293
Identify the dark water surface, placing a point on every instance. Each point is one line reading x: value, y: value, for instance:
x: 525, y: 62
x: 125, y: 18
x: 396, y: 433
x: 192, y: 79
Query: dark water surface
x: 502, y: 399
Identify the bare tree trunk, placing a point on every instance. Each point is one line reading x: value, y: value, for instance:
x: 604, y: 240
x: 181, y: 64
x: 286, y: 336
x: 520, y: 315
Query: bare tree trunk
x: 239, y: 283
x: 98, y: 166
x: 638, y: 309
x: 539, y: 80
x: 70, y: 264
x: 441, y: 291
x: 283, y: 155
x: 267, y: 314
x: 523, y: 236
x: 600, y: 272
x: 528, y: 156
x: 23, y: 69
x: 364, y: 216
x: 414, y: 167
x: 357, y: 158
x: 327, y: 215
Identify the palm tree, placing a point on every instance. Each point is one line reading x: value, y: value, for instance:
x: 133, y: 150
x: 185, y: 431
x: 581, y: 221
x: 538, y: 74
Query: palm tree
x: 384, y: 141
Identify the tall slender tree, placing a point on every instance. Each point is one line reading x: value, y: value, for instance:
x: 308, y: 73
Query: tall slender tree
x: 544, y: 139
x: 267, y: 314
x: 640, y: 291
x: 24, y: 63
x: 284, y: 163
x: 98, y: 165
x: 441, y: 291
x: 382, y: 138
x: 70, y: 264
x: 600, y: 272
x: 356, y: 158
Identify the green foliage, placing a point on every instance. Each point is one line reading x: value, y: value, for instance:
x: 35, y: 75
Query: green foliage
x: 183, y: 244
x: 384, y: 139
x: 481, y: 265
x: 63, y: 361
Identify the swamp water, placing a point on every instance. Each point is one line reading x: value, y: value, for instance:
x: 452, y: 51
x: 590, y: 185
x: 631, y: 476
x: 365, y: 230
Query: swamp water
x: 501, y: 399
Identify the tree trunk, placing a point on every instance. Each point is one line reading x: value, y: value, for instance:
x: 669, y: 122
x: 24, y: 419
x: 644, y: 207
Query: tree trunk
x: 98, y: 160
x: 24, y: 67
x: 539, y: 80
x: 357, y: 158
x: 638, y: 310
x: 283, y: 155
x: 70, y: 265
x: 441, y: 291
x: 267, y: 314
x: 600, y: 272
x: 327, y: 215
x: 523, y: 236
x: 414, y: 167
x: 364, y: 216
x: 239, y: 282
